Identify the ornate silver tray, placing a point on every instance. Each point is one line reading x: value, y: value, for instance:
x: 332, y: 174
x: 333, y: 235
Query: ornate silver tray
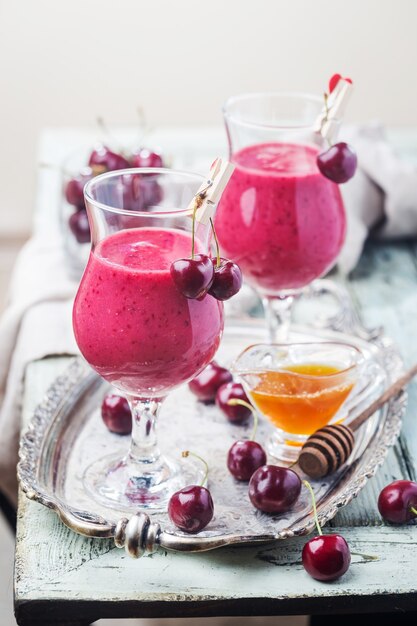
x: 66, y: 433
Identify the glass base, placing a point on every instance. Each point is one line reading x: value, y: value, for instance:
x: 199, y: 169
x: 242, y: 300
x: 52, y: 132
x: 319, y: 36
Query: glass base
x: 127, y: 486
x: 285, y: 446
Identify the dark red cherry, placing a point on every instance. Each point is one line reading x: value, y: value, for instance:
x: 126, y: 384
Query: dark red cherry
x: 274, y: 489
x: 326, y: 557
x: 191, y: 508
x: 146, y: 158
x: 238, y: 413
x: 397, y: 501
x: 244, y: 458
x: 80, y: 228
x: 193, y: 277
x: 152, y: 191
x: 102, y: 155
x: 74, y: 189
x: 116, y: 414
x: 129, y: 187
x: 338, y: 163
x: 227, y: 280
x: 206, y: 384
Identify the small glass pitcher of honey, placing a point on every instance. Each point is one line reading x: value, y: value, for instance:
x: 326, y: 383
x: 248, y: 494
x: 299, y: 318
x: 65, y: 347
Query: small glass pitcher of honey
x: 299, y: 387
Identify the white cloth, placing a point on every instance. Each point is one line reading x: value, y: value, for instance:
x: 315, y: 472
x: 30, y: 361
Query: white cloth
x: 381, y: 198
x: 37, y: 322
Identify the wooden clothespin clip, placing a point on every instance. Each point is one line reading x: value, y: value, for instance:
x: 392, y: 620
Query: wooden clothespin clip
x: 209, y: 193
x: 334, y: 109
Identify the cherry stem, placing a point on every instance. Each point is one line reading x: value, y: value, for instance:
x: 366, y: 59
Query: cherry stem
x: 104, y: 129
x: 367, y: 557
x: 313, y: 500
x: 187, y: 453
x: 217, y: 243
x: 239, y: 402
x: 413, y: 510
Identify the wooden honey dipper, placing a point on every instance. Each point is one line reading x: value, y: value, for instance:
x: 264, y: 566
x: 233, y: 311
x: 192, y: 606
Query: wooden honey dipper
x: 328, y: 448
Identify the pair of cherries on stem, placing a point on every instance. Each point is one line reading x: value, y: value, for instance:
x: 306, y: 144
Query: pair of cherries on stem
x: 339, y: 162
x: 200, y: 275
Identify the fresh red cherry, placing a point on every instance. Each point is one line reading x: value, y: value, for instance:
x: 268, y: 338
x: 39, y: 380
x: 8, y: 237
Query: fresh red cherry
x: 338, y: 163
x: 335, y: 79
x: 274, y: 489
x: 80, y: 228
x: 244, y: 458
x: 193, y: 277
x: 397, y: 502
x: 74, y: 189
x: 326, y: 557
x: 191, y: 508
x: 227, y: 280
x: 116, y: 414
x: 234, y: 413
x: 206, y: 384
x: 102, y: 155
x: 146, y: 158
x: 152, y: 191
x: 129, y: 186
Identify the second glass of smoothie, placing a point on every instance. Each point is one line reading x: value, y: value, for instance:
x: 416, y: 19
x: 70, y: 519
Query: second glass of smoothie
x: 280, y: 219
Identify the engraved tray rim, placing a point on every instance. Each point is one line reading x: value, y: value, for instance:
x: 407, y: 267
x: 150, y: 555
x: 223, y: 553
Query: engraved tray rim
x: 140, y: 535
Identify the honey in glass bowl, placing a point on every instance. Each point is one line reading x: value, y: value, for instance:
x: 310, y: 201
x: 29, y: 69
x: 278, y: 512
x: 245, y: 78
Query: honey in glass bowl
x: 299, y: 388
x: 301, y: 398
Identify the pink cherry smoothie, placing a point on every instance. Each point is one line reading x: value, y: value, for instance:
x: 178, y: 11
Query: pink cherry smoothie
x: 130, y: 321
x: 279, y: 218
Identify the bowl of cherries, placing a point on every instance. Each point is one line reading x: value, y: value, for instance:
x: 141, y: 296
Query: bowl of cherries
x: 102, y: 159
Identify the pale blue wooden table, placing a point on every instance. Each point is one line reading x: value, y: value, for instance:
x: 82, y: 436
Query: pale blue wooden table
x: 61, y: 577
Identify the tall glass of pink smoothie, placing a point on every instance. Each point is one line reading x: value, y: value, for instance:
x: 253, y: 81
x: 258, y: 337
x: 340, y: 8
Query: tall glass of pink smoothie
x: 134, y: 327
x: 280, y: 219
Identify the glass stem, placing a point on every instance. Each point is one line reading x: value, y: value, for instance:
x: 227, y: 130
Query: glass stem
x: 143, y: 446
x: 278, y: 312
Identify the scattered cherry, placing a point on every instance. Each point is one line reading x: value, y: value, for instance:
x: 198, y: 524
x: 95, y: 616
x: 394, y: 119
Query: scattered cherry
x: 206, y: 384
x: 274, y: 489
x: 235, y: 413
x: 78, y: 223
x: 146, y: 158
x: 152, y: 191
x: 227, y: 279
x: 326, y: 557
x: 132, y: 192
x: 245, y: 457
x: 116, y: 414
x: 74, y: 189
x: 397, y: 502
x: 193, y: 277
x: 338, y: 163
x: 191, y: 508
x: 102, y: 155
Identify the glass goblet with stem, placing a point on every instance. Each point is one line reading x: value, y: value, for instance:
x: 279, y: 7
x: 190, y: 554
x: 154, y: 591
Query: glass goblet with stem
x: 280, y: 219
x: 134, y: 326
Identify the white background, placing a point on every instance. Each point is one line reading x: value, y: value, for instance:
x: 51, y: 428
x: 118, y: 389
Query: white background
x: 65, y: 63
